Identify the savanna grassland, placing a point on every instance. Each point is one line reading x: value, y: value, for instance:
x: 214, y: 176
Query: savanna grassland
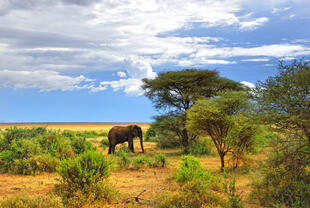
x: 136, y: 186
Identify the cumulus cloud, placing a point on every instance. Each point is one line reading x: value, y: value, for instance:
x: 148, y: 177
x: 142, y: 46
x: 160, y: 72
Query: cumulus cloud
x: 254, y: 24
x: 248, y: 84
x: 137, y: 69
x: 257, y: 60
x: 42, y: 80
x: 121, y: 74
x: 131, y: 35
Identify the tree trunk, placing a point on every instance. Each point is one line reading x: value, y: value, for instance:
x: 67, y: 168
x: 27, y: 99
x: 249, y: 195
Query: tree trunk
x: 185, y: 141
x: 222, y: 161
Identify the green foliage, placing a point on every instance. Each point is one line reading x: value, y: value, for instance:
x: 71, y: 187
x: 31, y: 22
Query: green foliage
x: 235, y: 199
x: 123, y: 148
x: 25, y: 201
x: 285, y: 177
x: 283, y: 100
x: 176, y: 92
x: 87, y: 168
x: 81, y: 145
x: 193, y: 194
x: 34, y: 165
x: 123, y: 160
x: 225, y: 119
x: 141, y: 161
x: 160, y: 160
x: 150, y: 132
x: 200, y: 147
x: 35, y: 150
x: 104, y: 143
x: 167, y: 129
x: 190, y: 169
x: 82, y: 179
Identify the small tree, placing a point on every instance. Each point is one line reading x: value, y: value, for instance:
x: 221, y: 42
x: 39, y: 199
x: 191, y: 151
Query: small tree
x: 284, y: 103
x: 224, y: 119
x: 284, y: 100
x: 178, y: 91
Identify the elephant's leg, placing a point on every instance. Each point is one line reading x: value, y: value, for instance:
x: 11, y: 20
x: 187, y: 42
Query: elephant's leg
x: 130, y: 146
x: 109, y: 149
x: 113, y: 149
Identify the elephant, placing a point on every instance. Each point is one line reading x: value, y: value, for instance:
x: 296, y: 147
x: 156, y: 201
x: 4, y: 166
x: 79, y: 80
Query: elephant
x: 121, y: 134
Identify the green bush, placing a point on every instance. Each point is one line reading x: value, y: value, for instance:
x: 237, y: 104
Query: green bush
x: 190, y: 169
x: 103, y: 134
x: 104, y: 143
x: 200, y: 147
x: 284, y: 179
x: 167, y: 140
x: 150, y: 132
x: 81, y: 145
x: 87, y: 168
x: 235, y: 199
x: 82, y: 179
x: 123, y: 148
x: 141, y: 162
x: 23, y: 150
x: 265, y: 139
x: 34, y: 165
x: 193, y: 194
x: 25, y: 201
x: 123, y: 160
x: 160, y: 160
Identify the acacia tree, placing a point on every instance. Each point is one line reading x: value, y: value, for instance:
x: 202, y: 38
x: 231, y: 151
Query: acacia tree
x: 177, y: 91
x: 224, y: 118
x: 284, y: 100
x: 284, y: 103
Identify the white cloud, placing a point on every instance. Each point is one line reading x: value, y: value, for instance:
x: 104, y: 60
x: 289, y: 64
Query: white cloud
x: 254, y: 24
x: 257, y: 60
x: 273, y: 50
x: 248, y: 84
x: 42, y: 80
x: 121, y: 74
x: 137, y: 68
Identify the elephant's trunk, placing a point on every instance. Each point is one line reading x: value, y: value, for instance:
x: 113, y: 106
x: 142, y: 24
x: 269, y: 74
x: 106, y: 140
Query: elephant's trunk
x: 141, y: 141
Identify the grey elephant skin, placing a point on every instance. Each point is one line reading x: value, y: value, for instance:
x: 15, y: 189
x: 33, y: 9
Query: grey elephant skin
x: 121, y: 134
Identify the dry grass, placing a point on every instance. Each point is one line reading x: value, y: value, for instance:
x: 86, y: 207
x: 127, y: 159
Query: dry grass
x: 129, y: 182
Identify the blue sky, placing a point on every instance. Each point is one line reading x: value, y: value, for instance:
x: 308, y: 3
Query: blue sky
x: 83, y: 60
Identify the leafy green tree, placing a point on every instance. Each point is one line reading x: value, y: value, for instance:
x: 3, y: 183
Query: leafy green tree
x: 177, y: 91
x: 224, y: 118
x: 284, y: 100
x: 284, y: 103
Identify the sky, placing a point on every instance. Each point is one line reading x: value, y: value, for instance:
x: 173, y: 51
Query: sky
x: 83, y: 60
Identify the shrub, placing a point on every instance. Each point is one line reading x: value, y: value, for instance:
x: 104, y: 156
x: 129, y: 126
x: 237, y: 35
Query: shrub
x: 25, y: 201
x: 285, y: 177
x: 123, y: 148
x: 81, y: 145
x: 190, y: 169
x: 167, y: 140
x: 193, y: 194
x: 150, y: 132
x: 69, y: 134
x: 104, y: 143
x: 200, y: 147
x: 141, y: 162
x: 234, y: 197
x: 34, y: 165
x: 82, y: 179
x: 124, y: 160
x: 160, y: 160
x: 103, y: 134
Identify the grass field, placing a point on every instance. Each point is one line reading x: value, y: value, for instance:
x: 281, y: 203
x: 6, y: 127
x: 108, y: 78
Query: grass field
x: 129, y: 182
